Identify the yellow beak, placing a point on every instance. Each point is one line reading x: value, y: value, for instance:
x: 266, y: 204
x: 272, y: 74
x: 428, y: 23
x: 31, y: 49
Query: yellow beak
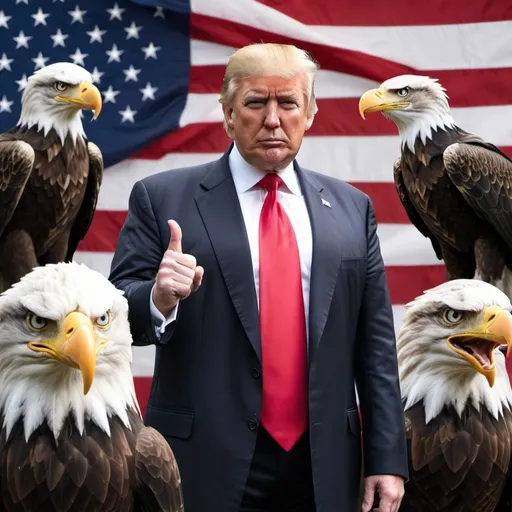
x: 379, y: 100
x: 76, y: 346
x: 478, y: 346
x: 88, y: 98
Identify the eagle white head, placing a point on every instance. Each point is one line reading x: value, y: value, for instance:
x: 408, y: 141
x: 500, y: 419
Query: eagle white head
x: 416, y: 104
x: 448, y: 348
x: 54, y: 97
x: 65, y: 349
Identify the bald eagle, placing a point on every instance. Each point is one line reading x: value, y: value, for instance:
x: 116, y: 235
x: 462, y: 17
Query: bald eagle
x: 50, y: 174
x: 457, y: 397
x: 71, y: 436
x: 455, y: 187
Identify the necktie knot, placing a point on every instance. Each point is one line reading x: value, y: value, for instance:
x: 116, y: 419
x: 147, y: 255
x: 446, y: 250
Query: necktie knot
x: 271, y: 181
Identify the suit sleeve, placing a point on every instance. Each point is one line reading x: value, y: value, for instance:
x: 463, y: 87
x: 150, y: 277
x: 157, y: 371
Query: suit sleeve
x: 384, y: 441
x: 135, y: 264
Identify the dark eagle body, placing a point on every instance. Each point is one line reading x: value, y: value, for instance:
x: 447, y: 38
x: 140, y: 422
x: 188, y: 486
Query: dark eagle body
x: 91, y: 472
x: 52, y: 199
x: 457, y: 464
x: 466, y: 214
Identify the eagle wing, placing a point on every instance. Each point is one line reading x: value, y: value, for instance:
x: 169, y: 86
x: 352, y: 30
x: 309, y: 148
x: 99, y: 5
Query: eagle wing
x: 456, y: 464
x: 88, y: 207
x: 16, y: 161
x: 413, y: 215
x: 483, y: 175
x: 157, y: 477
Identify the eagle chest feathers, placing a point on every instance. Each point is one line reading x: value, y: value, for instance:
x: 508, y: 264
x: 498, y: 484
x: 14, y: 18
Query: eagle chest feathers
x: 91, y: 472
x: 457, y: 464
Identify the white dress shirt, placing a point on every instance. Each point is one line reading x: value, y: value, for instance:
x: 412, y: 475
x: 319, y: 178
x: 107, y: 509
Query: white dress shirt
x: 251, y: 197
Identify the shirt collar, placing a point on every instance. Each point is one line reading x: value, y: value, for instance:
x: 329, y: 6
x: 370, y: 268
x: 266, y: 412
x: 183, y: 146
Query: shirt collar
x: 247, y: 176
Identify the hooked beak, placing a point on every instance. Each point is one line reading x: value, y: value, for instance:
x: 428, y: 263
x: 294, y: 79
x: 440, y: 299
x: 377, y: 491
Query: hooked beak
x: 76, y: 346
x: 379, y: 100
x: 88, y: 98
x: 478, y: 346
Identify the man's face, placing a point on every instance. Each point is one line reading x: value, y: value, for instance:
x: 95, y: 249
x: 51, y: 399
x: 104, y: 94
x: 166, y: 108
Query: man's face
x: 268, y: 118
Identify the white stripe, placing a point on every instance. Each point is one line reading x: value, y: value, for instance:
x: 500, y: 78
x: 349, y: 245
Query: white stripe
x: 457, y: 46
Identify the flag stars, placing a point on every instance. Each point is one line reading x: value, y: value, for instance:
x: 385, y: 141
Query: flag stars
x: 132, y: 31
x: 131, y: 74
x: 77, y: 15
x: 114, y: 54
x: 5, y: 63
x: 96, y: 34
x: 5, y: 104
x: 22, y: 40
x: 148, y: 92
x: 116, y: 13
x: 4, y: 19
x: 110, y: 95
x: 40, y: 17
x: 22, y: 2
x: 96, y: 75
x: 59, y: 38
x: 159, y: 13
x: 78, y: 57
x: 22, y: 83
x: 40, y: 61
x: 128, y: 114
x: 150, y: 51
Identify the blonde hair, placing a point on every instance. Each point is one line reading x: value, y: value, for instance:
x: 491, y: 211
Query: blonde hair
x: 269, y: 59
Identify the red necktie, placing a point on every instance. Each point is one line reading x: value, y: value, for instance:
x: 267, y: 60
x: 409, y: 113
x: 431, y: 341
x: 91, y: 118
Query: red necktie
x: 282, y: 322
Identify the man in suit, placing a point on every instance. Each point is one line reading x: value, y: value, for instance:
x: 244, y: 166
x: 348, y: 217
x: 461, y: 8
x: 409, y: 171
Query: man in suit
x: 263, y: 288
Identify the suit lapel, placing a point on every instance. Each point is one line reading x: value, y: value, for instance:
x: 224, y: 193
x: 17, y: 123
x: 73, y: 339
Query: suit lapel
x: 220, y: 210
x: 326, y: 226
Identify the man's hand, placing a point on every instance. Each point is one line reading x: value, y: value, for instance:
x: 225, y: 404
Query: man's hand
x: 178, y: 275
x: 390, y: 489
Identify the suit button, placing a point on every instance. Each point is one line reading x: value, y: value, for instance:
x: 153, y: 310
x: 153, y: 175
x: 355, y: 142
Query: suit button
x: 256, y: 373
x: 252, y: 424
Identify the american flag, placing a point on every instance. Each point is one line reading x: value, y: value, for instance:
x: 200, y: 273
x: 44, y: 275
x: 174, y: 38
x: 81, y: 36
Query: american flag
x: 159, y: 65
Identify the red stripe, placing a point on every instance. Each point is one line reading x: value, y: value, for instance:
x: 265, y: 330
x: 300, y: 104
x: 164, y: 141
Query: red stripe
x: 142, y: 389
x: 406, y: 283
x: 378, y: 13
x: 492, y: 86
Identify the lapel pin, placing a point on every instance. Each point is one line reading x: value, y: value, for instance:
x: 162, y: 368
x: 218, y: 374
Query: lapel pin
x: 326, y: 203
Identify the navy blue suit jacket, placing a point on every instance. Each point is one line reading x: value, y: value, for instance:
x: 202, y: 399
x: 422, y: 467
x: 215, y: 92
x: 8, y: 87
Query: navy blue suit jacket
x: 207, y: 386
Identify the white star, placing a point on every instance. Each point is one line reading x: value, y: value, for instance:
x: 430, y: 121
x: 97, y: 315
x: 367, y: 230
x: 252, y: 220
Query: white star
x: 78, y: 57
x: 5, y: 105
x: 22, y: 83
x: 131, y: 74
x: 159, y: 13
x: 127, y: 114
x: 5, y: 63
x: 132, y: 31
x: 96, y: 75
x: 116, y: 12
x: 150, y: 51
x: 96, y: 34
x: 40, y: 17
x: 4, y: 19
x: 22, y: 2
x: 110, y: 95
x: 53, y: 1
x: 77, y: 15
x: 22, y: 40
x: 40, y: 61
x: 114, y: 54
x: 148, y: 92
x: 59, y: 38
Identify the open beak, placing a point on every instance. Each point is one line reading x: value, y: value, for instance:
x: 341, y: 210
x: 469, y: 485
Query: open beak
x: 88, y: 98
x: 76, y: 346
x: 379, y: 100
x: 478, y: 346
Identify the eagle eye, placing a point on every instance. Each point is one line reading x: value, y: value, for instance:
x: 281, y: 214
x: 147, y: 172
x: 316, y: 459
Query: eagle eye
x: 36, y: 322
x: 452, y: 316
x: 60, y: 86
x: 404, y: 91
x: 104, y: 321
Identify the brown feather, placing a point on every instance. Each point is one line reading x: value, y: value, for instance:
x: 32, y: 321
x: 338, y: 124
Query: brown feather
x: 456, y: 464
